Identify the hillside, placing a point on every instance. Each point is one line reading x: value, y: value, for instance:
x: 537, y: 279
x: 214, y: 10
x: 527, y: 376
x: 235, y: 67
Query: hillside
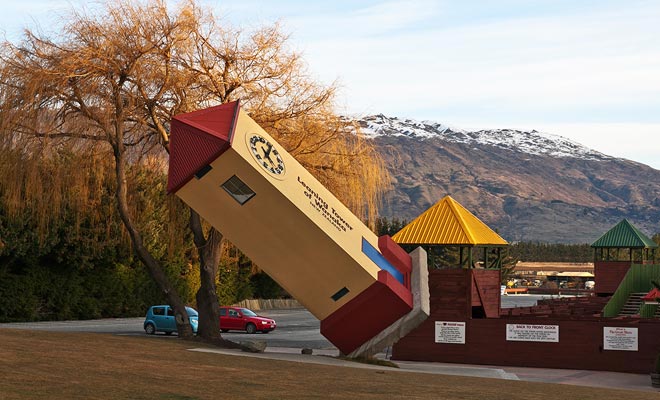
x: 528, y: 186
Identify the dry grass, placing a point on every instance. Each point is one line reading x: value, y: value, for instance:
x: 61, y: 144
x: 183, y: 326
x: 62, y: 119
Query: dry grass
x: 46, y: 365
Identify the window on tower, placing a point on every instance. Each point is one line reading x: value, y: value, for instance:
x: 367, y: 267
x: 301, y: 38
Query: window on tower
x: 238, y: 190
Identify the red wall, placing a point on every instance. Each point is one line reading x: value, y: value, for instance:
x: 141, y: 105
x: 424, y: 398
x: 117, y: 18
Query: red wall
x: 455, y: 291
x: 579, y: 347
x: 609, y: 275
x: 486, y: 290
x: 450, y: 291
x: 580, y: 337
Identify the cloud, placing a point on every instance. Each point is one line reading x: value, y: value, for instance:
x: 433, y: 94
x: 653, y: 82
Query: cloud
x: 634, y: 141
x: 387, y: 17
x: 555, y: 64
x: 576, y: 67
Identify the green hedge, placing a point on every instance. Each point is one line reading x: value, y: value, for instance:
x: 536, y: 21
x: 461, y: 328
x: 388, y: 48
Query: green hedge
x: 44, y: 294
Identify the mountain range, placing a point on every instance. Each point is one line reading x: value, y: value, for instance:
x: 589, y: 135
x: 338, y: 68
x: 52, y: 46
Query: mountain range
x: 526, y: 185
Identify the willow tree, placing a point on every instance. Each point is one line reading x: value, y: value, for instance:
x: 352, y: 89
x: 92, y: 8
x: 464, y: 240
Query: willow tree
x: 111, y: 81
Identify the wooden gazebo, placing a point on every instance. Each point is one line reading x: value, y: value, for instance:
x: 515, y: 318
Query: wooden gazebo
x: 465, y: 257
x: 448, y: 224
x: 615, y: 251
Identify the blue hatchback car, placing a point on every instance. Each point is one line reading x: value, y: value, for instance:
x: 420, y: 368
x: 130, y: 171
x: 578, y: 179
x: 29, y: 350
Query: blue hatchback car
x: 161, y: 319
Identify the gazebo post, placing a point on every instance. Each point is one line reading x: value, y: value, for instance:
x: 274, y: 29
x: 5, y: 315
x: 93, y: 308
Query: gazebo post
x: 431, y: 249
x: 499, y: 258
x: 470, y: 257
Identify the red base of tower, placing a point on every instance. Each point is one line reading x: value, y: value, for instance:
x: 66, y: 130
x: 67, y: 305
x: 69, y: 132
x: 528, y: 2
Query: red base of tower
x: 365, y: 316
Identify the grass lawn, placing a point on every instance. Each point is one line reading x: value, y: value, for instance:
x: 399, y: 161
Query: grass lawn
x: 48, y: 365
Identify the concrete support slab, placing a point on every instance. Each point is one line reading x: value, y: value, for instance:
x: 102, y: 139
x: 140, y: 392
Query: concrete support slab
x: 404, y: 325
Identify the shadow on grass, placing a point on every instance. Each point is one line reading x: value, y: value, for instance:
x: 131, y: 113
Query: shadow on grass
x: 370, y: 361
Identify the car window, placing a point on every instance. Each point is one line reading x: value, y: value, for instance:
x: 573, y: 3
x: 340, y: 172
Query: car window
x: 247, y: 312
x: 233, y: 313
x: 223, y: 312
x: 158, y: 311
x: 170, y: 312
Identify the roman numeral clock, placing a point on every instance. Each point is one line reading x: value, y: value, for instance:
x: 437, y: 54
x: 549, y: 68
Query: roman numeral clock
x: 266, y: 155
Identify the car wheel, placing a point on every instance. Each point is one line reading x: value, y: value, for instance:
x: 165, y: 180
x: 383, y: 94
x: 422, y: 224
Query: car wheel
x: 250, y: 328
x: 225, y: 330
x: 150, y: 329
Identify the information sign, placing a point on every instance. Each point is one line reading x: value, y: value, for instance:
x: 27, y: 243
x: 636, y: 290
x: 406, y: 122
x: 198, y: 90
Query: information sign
x: 450, y: 332
x: 620, y: 338
x: 532, y: 333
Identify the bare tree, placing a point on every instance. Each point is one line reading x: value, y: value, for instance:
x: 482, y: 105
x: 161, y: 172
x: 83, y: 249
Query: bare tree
x: 110, y: 82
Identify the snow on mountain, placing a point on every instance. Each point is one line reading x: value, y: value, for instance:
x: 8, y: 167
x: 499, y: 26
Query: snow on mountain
x: 530, y: 142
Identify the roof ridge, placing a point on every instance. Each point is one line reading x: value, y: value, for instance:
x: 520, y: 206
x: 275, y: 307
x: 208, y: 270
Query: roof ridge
x: 643, y: 237
x: 459, y: 216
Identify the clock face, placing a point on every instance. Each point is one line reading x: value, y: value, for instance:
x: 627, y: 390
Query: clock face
x: 266, y: 154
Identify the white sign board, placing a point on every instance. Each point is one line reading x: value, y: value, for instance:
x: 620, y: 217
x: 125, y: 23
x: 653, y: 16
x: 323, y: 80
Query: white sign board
x: 450, y: 332
x: 532, y: 333
x: 620, y: 338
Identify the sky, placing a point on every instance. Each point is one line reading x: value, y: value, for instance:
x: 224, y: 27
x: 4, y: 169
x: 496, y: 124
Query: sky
x: 587, y: 70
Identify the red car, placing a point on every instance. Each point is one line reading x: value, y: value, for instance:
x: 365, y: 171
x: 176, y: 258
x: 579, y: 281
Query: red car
x: 242, y: 319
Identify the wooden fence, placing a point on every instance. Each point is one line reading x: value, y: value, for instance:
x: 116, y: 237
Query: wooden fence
x: 268, y: 304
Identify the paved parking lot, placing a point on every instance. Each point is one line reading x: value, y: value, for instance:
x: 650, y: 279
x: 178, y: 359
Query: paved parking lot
x: 296, y: 328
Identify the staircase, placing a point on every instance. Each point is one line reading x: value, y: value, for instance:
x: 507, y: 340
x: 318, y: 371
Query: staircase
x: 633, y: 304
x: 657, y: 312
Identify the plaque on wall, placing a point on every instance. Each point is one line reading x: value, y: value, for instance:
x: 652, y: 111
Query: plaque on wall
x: 532, y: 333
x: 450, y: 332
x: 620, y: 338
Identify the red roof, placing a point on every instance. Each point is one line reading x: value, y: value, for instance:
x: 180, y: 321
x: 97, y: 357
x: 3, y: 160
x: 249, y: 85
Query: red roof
x: 197, y: 138
x: 652, y: 295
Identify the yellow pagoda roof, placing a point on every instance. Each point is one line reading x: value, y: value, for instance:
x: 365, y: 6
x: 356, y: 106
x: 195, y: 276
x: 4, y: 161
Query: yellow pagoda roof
x: 448, y: 223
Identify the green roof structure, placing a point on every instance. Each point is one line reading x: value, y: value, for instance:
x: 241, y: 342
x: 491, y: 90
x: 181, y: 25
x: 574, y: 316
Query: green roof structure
x: 624, y: 235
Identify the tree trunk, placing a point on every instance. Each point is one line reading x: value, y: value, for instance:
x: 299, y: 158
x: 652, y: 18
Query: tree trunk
x: 209, y: 249
x: 153, y: 267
